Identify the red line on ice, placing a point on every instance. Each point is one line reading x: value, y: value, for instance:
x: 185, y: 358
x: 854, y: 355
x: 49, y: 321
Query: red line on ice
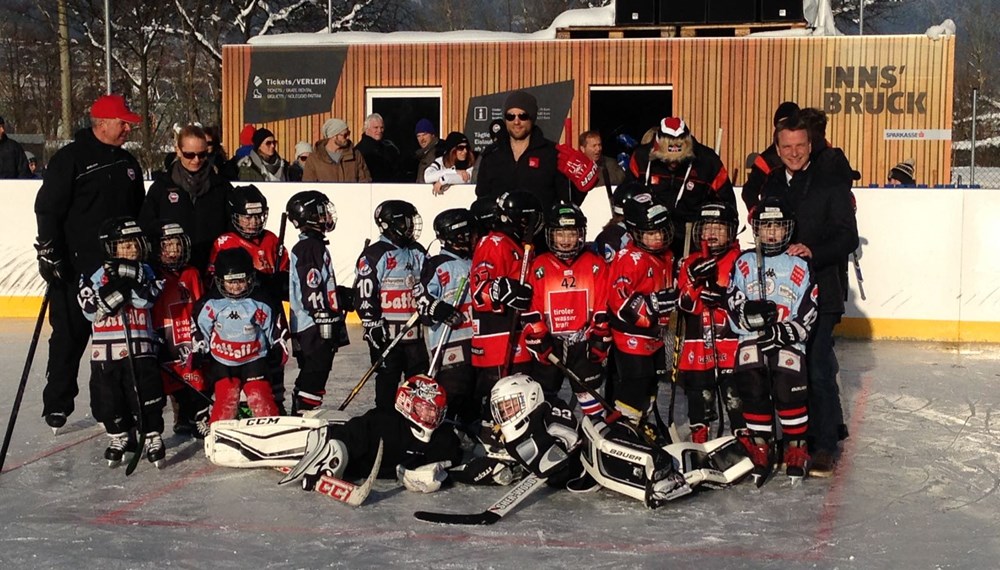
x: 52, y: 451
x: 115, y: 515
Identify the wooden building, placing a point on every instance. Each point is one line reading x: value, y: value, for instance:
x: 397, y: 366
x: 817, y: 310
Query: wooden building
x: 887, y: 97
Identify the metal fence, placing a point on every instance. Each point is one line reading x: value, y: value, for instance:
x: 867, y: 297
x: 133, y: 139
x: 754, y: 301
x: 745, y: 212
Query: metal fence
x: 976, y: 144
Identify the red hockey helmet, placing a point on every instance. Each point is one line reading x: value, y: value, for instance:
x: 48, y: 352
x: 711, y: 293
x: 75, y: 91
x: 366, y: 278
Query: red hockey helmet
x: 422, y: 401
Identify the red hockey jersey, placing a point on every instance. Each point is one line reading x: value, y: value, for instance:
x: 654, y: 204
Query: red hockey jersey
x: 704, y: 326
x: 497, y: 255
x: 635, y: 270
x: 566, y: 295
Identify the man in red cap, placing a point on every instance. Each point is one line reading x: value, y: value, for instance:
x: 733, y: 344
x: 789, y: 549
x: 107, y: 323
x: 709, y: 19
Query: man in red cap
x: 87, y: 182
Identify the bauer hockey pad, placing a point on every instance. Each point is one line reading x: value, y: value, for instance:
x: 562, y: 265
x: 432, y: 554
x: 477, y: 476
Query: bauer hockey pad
x: 278, y: 441
x: 720, y: 462
x: 629, y: 467
x: 505, y: 505
x: 340, y: 490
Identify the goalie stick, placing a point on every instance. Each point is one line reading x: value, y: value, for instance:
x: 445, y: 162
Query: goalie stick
x: 345, y: 491
x: 497, y: 510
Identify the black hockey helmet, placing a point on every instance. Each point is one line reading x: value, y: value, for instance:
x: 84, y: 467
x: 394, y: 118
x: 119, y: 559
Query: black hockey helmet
x: 484, y: 214
x: 235, y: 276
x: 560, y: 218
x: 313, y: 210
x: 117, y: 232
x: 519, y: 214
x: 623, y: 193
x: 454, y: 228
x: 773, y: 225
x: 172, y: 247
x: 716, y: 226
x: 249, y: 210
x: 648, y: 216
x: 399, y: 221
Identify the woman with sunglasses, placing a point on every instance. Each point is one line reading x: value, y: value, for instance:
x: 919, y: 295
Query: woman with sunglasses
x: 454, y: 166
x: 191, y: 193
x: 263, y: 164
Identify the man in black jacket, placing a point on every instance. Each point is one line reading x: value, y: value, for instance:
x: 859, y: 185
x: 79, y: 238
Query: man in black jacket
x: 13, y: 161
x: 381, y: 155
x: 817, y: 186
x: 524, y: 159
x: 87, y: 181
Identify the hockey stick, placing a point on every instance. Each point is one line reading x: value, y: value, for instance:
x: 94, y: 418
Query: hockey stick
x: 345, y: 491
x: 24, y: 378
x: 858, y: 275
x: 456, y: 302
x: 497, y: 510
x: 281, y: 241
x: 140, y: 428
x: 678, y: 343
x: 165, y: 367
x: 381, y: 358
x: 761, y: 284
x: 515, y: 317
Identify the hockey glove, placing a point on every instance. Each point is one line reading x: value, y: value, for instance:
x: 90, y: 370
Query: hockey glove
x: 599, y: 338
x: 124, y: 269
x: 51, y: 265
x: 510, y: 293
x: 326, y: 322
x: 345, y: 299
x: 664, y: 300
x: 757, y: 315
x: 777, y: 336
x: 377, y: 335
x: 576, y: 167
x: 112, y: 297
x: 423, y: 479
x: 443, y: 312
x: 638, y: 311
x: 712, y: 295
x: 540, y: 347
x: 485, y: 471
x: 702, y: 269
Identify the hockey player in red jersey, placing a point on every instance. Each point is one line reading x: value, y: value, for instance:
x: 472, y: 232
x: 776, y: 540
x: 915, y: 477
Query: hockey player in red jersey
x: 249, y: 207
x: 568, y: 315
x: 173, y: 320
x: 705, y: 367
x: 497, y: 294
x: 640, y: 298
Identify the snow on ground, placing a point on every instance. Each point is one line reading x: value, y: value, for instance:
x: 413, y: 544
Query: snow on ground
x: 916, y: 488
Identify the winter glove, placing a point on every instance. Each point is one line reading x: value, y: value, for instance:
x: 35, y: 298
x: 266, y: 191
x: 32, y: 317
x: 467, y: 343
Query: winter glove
x: 112, y: 296
x: 125, y: 269
x: 627, y: 141
x: 576, y: 167
x: 326, y: 321
x: 777, y: 336
x: 377, y: 335
x: 345, y: 299
x: 485, y: 471
x: 423, y: 479
x: 638, y: 311
x: 51, y: 265
x: 598, y: 345
x: 757, y: 315
x: 444, y: 312
x: 664, y: 300
x: 712, y: 295
x: 539, y: 346
x: 510, y: 293
x: 703, y: 269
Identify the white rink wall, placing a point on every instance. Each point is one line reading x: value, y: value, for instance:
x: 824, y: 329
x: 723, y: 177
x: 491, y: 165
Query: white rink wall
x: 929, y: 256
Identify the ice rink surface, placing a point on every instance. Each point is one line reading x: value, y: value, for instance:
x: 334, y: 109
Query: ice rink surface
x: 916, y: 488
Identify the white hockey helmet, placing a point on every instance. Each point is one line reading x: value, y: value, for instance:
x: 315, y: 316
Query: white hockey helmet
x: 512, y: 400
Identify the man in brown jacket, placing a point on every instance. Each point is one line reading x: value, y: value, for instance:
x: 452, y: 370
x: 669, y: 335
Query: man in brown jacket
x: 334, y: 159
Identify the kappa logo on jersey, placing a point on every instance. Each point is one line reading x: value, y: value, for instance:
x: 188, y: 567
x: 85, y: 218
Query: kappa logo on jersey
x: 173, y: 197
x: 234, y: 315
x: 390, y: 263
x: 313, y: 278
x: 222, y: 239
x: 636, y: 256
x: 540, y: 272
x: 798, y: 274
x: 363, y: 267
x: 443, y: 277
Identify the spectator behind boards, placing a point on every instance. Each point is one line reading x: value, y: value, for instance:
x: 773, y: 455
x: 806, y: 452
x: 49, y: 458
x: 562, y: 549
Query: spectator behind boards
x: 454, y: 166
x: 334, y: 158
x: 263, y: 163
x: 428, y: 140
x: 13, y: 162
x: 381, y: 155
x: 902, y: 174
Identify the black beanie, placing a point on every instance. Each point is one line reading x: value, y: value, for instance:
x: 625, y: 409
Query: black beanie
x: 260, y: 135
x: 522, y: 100
x: 454, y: 139
x: 785, y: 110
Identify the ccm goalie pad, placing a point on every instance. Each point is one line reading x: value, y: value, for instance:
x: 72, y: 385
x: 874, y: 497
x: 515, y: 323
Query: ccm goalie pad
x: 261, y: 442
x: 615, y: 457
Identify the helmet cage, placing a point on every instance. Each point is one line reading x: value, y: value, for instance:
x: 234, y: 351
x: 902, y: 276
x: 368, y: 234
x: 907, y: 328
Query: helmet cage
x: 173, y: 248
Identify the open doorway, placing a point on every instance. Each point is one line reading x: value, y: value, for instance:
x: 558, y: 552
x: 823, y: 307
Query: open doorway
x: 628, y: 110
x: 401, y: 108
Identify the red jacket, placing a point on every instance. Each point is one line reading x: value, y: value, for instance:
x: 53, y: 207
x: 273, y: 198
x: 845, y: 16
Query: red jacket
x: 635, y: 270
x: 497, y: 255
x: 173, y: 321
x: 697, y: 352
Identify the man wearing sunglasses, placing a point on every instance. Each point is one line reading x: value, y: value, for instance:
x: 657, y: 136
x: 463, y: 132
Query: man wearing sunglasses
x: 88, y: 181
x: 523, y: 158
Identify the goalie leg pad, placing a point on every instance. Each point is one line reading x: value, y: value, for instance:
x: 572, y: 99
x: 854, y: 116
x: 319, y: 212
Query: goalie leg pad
x: 323, y: 457
x: 260, y: 442
x: 719, y: 462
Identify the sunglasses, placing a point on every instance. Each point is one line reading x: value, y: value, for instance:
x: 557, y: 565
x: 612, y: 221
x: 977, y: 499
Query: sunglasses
x: 191, y: 155
x: 303, y: 158
x: 522, y: 116
x: 269, y: 143
x: 462, y: 147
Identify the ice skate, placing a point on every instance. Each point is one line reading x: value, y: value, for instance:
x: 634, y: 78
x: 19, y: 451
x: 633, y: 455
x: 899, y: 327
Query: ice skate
x: 116, y: 449
x: 156, y: 453
x: 55, y: 420
x: 699, y: 433
x: 796, y: 461
x: 759, y: 451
